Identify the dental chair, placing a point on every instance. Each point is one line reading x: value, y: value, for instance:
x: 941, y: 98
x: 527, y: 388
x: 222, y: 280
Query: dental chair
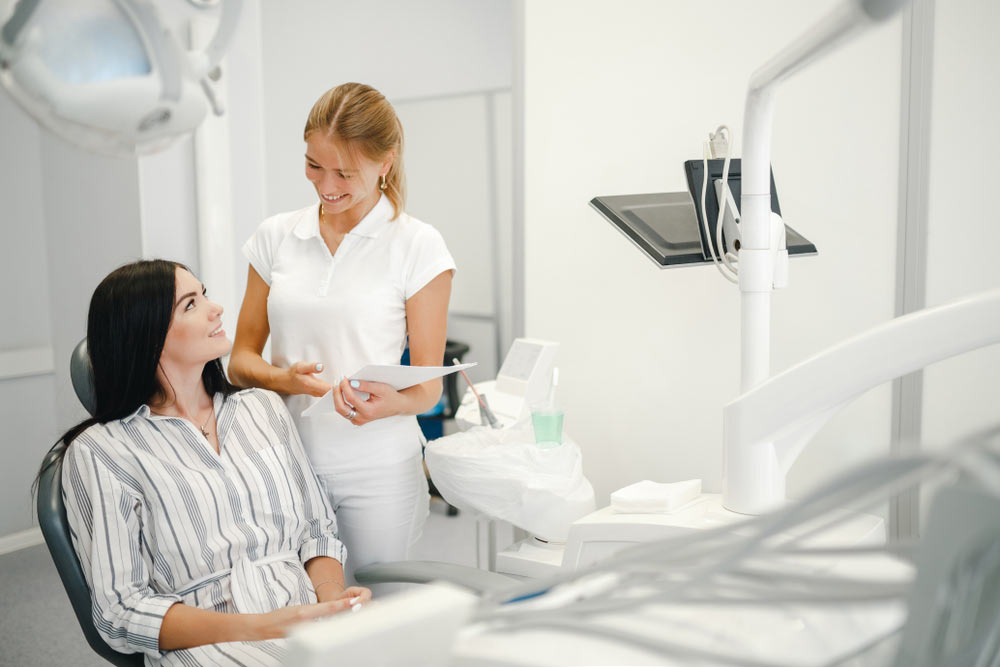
x: 55, y: 528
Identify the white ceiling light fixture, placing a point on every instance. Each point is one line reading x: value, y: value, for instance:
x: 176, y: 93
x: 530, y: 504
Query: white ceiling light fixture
x: 109, y: 75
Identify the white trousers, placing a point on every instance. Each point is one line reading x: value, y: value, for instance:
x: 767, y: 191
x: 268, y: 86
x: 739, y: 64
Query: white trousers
x: 380, y: 512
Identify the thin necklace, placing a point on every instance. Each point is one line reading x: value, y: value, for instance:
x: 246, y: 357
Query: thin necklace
x: 202, y: 428
x: 211, y: 414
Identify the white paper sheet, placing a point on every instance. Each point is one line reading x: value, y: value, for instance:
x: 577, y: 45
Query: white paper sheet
x: 398, y: 377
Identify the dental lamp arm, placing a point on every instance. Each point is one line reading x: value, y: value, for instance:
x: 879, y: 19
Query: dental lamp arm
x: 756, y: 259
x: 12, y: 28
x: 228, y: 20
x: 767, y: 427
x: 205, y: 63
x: 753, y: 478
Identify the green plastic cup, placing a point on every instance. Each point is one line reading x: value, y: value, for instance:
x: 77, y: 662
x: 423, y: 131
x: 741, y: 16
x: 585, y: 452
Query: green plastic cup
x: 548, y: 426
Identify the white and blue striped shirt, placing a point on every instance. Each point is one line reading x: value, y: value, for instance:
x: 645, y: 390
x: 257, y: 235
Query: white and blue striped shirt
x: 158, y: 517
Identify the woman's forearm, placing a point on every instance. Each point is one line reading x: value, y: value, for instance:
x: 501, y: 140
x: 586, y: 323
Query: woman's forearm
x: 185, y: 626
x: 247, y: 369
x: 420, y: 398
x: 327, y: 577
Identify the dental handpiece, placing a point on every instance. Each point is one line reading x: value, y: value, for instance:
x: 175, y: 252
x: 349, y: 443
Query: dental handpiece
x: 484, y: 409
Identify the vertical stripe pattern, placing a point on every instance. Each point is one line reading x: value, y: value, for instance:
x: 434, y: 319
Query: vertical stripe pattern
x: 157, y: 517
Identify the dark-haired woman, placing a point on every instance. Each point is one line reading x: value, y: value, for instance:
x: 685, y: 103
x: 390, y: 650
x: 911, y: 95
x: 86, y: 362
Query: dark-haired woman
x: 200, y: 526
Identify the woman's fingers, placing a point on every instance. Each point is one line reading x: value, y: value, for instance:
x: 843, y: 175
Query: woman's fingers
x: 277, y: 622
x: 306, y: 382
x: 373, y: 389
x: 337, y: 606
x: 349, y: 401
x: 360, y: 593
x: 320, y: 609
x: 364, y: 408
x: 307, y: 367
x: 340, y: 402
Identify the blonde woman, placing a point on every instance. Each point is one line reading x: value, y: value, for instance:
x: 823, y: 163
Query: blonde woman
x: 342, y: 283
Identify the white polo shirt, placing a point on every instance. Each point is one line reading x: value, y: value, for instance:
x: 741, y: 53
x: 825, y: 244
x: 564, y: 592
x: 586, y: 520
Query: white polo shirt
x: 346, y: 311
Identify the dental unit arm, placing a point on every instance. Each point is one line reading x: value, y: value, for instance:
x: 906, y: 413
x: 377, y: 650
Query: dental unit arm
x: 766, y: 428
x: 753, y: 480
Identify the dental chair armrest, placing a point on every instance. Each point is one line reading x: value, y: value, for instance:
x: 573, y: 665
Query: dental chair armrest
x: 427, y: 571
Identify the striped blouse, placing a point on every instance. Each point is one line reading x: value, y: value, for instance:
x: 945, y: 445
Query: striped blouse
x: 158, y: 517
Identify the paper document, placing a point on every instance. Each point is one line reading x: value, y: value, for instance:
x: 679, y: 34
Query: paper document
x: 398, y: 377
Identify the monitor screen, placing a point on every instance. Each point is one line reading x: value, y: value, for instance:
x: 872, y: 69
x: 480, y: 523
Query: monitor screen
x: 667, y: 226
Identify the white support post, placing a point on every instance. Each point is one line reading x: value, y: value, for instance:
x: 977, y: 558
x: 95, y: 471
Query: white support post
x: 753, y: 480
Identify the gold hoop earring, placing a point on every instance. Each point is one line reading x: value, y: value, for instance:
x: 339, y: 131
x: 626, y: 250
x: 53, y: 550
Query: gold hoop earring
x: 382, y: 185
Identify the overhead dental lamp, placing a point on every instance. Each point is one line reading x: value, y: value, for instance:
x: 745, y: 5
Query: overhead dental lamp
x: 109, y: 75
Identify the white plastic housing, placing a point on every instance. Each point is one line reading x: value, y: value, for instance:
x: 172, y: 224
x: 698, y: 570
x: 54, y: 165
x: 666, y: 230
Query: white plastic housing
x: 766, y: 428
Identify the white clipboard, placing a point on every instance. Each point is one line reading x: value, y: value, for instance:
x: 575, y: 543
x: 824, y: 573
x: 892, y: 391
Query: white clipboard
x: 396, y: 376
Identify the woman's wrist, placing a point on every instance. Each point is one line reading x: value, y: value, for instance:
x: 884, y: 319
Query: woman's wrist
x: 280, y: 380
x: 329, y: 589
x: 418, y: 399
x: 251, y: 370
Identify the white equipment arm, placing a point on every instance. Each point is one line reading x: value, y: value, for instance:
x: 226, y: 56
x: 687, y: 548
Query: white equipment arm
x: 752, y: 478
x: 756, y: 260
x: 765, y: 429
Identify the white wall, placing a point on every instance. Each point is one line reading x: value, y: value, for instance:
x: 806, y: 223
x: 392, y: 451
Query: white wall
x: 961, y: 395
x: 243, y: 71
x: 26, y: 325
x: 92, y: 226
x: 617, y: 96
x: 453, y: 161
x: 406, y: 51
x: 69, y: 217
x: 167, y: 205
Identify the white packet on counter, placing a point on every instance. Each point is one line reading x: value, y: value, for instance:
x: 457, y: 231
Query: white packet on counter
x: 648, y: 497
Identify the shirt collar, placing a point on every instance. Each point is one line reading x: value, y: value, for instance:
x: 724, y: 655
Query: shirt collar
x: 141, y: 411
x: 144, y: 411
x: 370, y: 226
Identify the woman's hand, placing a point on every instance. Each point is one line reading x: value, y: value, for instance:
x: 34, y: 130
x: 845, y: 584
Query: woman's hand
x: 353, y: 594
x: 275, y: 624
x: 383, y: 401
x: 302, y: 379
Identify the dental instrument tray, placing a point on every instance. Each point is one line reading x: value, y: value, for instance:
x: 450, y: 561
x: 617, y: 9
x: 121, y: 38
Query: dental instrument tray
x: 663, y: 225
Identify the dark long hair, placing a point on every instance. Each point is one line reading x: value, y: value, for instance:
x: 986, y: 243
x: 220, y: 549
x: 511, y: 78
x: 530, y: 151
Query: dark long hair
x: 127, y: 324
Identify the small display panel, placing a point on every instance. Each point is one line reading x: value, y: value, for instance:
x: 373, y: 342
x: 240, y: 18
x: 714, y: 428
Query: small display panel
x: 521, y: 360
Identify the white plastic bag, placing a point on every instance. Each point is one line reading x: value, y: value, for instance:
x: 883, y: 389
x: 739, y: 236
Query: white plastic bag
x: 503, y: 474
